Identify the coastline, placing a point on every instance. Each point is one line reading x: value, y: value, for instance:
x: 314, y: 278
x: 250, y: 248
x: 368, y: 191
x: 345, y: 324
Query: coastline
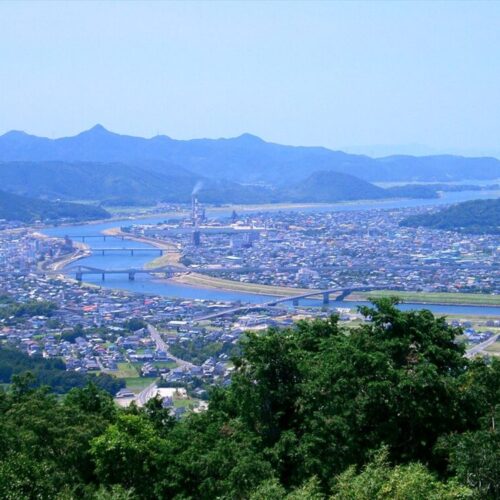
x: 119, y: 216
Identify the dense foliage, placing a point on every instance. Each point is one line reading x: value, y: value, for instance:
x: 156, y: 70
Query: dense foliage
x: 413, y: 191
x: 15, y: 312
x: 389, y: 409
x: 23, y: 209
x: 327, y: 186
x: 117, y: 183
x: 477, y: 216
x: 51, y: 373
x: 197, y: 351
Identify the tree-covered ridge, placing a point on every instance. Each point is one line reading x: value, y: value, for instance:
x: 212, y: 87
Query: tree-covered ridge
x: 23, y: 209
x: 51, y: 372
x: 477, y: 216
x: 389, y: 409
x: 152, y: 181
x: 245, y: 159
x: 14, y: 312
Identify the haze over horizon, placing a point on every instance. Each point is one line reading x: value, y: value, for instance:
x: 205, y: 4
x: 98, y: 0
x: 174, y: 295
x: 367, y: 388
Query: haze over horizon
x: 360, y: 77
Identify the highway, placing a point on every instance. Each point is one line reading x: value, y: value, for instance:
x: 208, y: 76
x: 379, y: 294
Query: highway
x: 150, y: 391
x: 161, y: 345
x: 146, y: 394
x: 478, y: 349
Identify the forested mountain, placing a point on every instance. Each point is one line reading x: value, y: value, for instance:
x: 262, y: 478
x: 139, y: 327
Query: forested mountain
x: 116, y: 182
x: 245, y: 159
x: 325, y: 187
x: 24, y: 209
x: 388, y: 409
x: 153, y: 181
x: 477, y: 216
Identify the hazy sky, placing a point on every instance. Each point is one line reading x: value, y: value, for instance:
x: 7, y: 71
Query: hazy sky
x: 332, y: 74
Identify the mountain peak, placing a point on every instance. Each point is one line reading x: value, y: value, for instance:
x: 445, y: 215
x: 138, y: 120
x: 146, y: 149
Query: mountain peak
x: 97, y: 129
x: 249, y: 138
x: 15, y: 133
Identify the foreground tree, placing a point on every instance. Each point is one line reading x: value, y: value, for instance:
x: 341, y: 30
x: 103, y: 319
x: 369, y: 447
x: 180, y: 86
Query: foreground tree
x: 307, y: 409
x: 379, y: 481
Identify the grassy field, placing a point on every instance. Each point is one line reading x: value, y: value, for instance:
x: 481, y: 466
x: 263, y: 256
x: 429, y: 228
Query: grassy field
x: 137, y: 384
x: 236, y: 286
x: 494, y: 348
x: 126, y: 370
x: 164, y: 364
x: 435, y: 298
x: 184, y: 403
x: 417, y: 297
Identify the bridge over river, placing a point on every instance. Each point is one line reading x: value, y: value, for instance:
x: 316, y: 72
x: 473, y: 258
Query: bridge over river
x: 81, y: 271
x: 133, y: 251
x: 340, y: 295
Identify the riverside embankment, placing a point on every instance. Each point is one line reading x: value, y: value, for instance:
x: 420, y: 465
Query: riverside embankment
x: 197, y: 286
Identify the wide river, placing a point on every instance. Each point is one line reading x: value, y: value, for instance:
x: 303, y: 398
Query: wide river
x: 147, y: 285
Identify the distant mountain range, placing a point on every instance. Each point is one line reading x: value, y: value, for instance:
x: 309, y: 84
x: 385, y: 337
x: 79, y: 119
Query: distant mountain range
x: 243, y: 159
x: 116, y: 169
x: 23, y: 209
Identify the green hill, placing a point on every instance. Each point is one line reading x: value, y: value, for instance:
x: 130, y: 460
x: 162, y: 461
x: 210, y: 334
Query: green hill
x: 142, y: 182
x: 23, y: 209
x: 327, y: 187
x: 477, y: 216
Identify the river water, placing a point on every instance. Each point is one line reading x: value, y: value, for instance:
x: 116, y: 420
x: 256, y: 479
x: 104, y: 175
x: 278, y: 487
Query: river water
x: 145, y: 284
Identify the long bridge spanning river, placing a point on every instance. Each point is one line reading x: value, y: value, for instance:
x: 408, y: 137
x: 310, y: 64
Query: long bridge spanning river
x: 168, y: 271
x: 133, y: 251
x: 340, y: 295
x: 101, y: 236
x: 80, y: 271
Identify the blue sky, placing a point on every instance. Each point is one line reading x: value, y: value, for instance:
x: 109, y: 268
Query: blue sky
x: 326, y: 73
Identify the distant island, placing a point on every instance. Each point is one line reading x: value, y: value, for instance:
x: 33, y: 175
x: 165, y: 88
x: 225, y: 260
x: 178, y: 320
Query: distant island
x: 23, y: 209
x: 477, y: 216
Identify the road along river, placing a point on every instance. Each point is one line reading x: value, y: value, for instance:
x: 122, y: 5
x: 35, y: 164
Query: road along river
x: 146, y: 284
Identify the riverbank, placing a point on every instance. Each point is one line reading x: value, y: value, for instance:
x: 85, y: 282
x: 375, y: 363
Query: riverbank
x: 81, y: 250
x: 192, y: 278
x: 445, y: 298
x: 203, y: 281
x: 459, y: 299
x: 171, y: 258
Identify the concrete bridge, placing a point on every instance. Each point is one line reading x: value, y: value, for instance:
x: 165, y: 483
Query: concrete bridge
x: 341, y: 294
x: 132, y: 251
x: 81, y: 271
x: 83, y: 237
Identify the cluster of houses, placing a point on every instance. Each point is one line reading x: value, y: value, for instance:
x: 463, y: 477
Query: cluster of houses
x: 90, y: 328
x: 350, y: 248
